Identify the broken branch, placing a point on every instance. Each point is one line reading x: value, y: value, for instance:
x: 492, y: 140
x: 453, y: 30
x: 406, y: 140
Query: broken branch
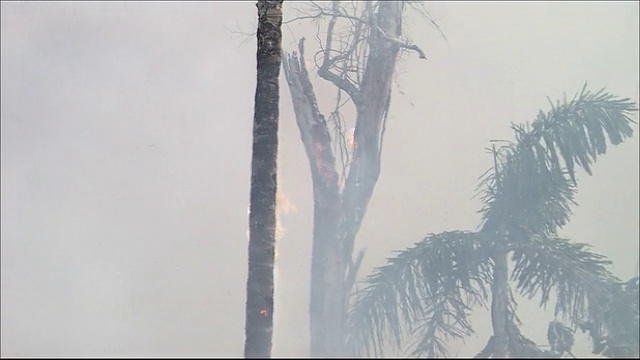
x: 403, y: 44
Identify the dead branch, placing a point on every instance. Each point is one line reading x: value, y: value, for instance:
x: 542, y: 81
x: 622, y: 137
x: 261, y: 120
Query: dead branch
x: 419, y: 7
x: 321, y: 12
x: 342, y: 82
x: 403, y: 44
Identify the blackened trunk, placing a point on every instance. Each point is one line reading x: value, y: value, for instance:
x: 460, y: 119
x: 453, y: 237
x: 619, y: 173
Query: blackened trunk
x: 262, y: 216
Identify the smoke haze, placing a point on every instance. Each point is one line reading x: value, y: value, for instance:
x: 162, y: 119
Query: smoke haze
x: 126, y: 147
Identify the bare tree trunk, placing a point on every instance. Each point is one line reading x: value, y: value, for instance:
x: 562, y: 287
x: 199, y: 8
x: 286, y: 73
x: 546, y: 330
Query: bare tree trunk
x: 262, y: 216
x: 338, y: 215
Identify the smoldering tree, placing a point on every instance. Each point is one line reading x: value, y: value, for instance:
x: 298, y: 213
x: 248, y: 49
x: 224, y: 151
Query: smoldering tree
x: 262, y: 213
x: 358, y: 56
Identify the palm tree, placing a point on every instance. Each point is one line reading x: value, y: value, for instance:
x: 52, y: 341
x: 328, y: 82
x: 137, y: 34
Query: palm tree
x: 262, y: 214
x: 427, y: 291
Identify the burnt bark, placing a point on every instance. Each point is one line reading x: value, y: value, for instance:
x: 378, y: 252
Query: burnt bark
x: 339, y: 214
x: 327, y: 217
x: 262, y: 214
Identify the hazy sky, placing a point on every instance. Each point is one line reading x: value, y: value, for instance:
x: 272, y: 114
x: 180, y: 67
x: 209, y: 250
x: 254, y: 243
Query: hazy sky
x: 126, y: 148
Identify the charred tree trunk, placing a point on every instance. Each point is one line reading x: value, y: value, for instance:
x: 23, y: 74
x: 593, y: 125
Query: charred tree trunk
x: 262, y: 216
x: 327, y: 217
x: 339, y: 214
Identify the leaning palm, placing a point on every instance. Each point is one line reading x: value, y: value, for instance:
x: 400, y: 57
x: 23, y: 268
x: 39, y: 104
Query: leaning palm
x: 426, y: 292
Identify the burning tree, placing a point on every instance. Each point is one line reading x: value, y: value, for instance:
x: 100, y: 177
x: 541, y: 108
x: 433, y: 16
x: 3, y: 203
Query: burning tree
x: 360, y: 62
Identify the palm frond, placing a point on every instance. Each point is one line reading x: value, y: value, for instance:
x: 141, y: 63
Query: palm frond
x: 560, y: 338
x: 579, y: 277
x: 426, y: 289
x: 526, y: 195
x: 444, y: 320
x: 619, y: 334
x: 532, y: 184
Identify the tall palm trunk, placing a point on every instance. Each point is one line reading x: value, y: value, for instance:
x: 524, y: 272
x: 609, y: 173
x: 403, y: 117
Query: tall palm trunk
x: 262, y: 216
